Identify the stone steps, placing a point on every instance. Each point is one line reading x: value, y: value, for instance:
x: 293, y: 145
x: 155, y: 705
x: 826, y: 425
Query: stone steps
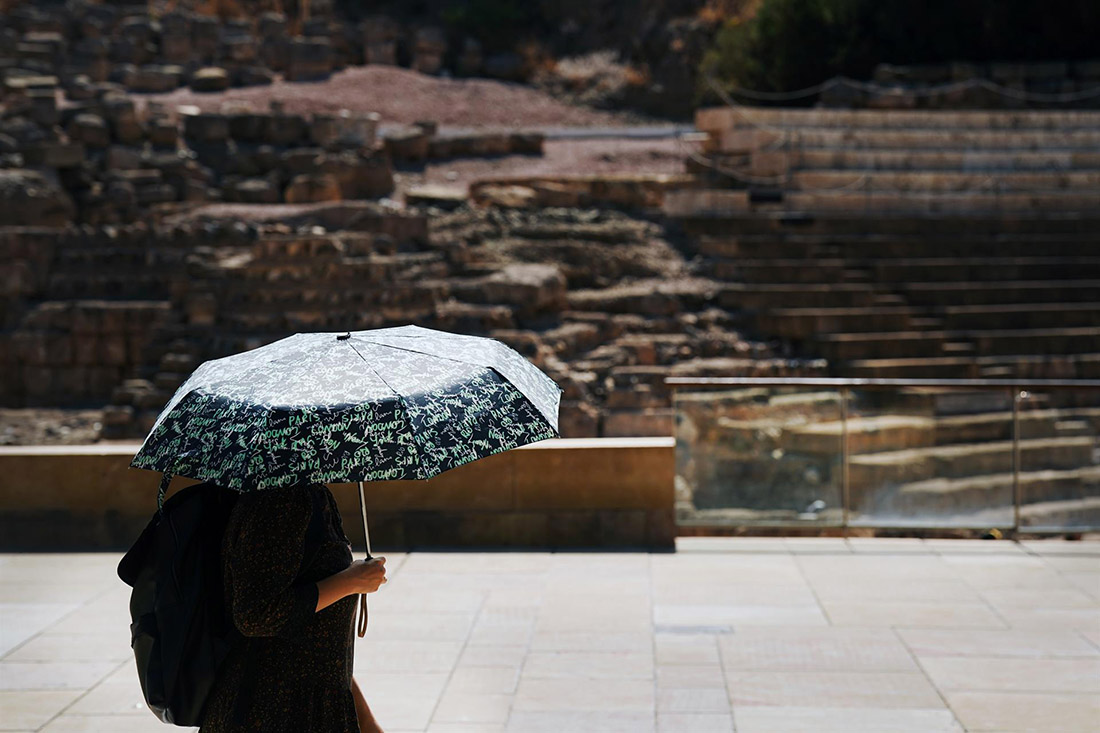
x: 804, y: 323
x: 955, y: 181
x: 808, y: 295
x: 945, y: 496
x: 905, y: 270
x: 721, y: 118
x: 940, y: 202
x: 1019, y: 366
x: 709, y: 212
x: 780, y: 140
x: 703, y: 207
x: 881, y: 247
x: 871, y: 470
x: 998, y: 293
x: 892, y: 432
x: 856, y: 346
x: 971, y: 161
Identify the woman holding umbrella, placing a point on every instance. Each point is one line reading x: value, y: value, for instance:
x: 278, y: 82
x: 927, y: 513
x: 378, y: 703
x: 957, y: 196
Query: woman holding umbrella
x: 278, y: 423
x: 293, y: 597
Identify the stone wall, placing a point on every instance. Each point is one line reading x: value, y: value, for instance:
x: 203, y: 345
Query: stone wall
x: 557, y: 494
x: 106, y: 160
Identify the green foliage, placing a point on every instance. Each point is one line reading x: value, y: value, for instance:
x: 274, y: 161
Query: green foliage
x: 793, y: 44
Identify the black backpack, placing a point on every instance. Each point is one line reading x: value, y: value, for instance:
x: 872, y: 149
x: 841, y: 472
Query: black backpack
x: 181, y: 630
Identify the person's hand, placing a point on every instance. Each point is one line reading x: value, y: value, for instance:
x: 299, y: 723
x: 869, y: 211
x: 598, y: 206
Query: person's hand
x: 366, y: 576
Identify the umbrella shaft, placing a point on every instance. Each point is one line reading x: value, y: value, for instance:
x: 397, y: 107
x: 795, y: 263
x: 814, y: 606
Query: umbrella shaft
x: 363, y: 509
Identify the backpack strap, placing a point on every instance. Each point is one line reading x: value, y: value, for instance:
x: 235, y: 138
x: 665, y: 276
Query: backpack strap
x: 165, y: 479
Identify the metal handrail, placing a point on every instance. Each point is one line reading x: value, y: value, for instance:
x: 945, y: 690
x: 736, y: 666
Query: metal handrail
x: 1017, y: 387
x: 870, y: 383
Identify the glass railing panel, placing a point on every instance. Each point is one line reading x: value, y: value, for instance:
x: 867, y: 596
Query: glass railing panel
x: 759, y: 456
x: 930, y: 457
x: 1059, y: 458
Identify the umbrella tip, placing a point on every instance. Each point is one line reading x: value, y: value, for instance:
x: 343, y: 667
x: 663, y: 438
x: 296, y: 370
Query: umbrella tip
x: 344, y: 336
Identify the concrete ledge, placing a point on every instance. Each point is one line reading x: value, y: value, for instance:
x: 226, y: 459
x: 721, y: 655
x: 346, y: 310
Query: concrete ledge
x: 599, y: 492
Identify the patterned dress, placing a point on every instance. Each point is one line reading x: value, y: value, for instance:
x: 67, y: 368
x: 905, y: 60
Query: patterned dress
x: 292, y: 674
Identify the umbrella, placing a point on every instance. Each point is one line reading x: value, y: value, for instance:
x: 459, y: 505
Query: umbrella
x: 385, y: 404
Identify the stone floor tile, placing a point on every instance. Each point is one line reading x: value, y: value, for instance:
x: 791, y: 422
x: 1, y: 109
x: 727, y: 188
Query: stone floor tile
x: 589, y: 665
x: 113, y: 697
x: 470, y: 707
x: 31, y: 709
x: 1074, y: 563
x: 692, y: 700
x: 25, y: 592
x: 383, y: 655
x: 832, y: 689
x: 1077, y: 619
x: 605, y: 695
x: 730, y: 544
x: 892, y: 590
x: 463, y: 728
x: 574, y: 721
x: 1085, y: 582
x: 737, y: 615
x: 951, y: 546
x: 767, y: 719
x: 815, y: 649
x: 739, y: 569
x: 996, y: 642
x: 888, y: 545
x: 1092, y: 636
x: 705, y: 592
x: 694, y: 722
x: 21, y: 621
x: 107, y: 724
x: 50, y: 647
x: 1061, y: 547
x: 399, y: 626
x: 671, y: 676
x: 493, y: 656
x: 983, y: 712
x: 817, y: 545
x: 580, y: 641
x: 1046, y: 598
x: 998, y: 674
x: 693, y: 649
x: 484, y: 680
x: 951, y: 615
x: 52, y: 675
x: 402, y: 701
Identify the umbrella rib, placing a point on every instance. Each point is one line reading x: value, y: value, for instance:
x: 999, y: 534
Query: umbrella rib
x: 422, y: 353
x: 398, y: 395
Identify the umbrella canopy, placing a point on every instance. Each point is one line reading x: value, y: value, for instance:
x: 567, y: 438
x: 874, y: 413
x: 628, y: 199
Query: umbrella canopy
x: 392, y: 403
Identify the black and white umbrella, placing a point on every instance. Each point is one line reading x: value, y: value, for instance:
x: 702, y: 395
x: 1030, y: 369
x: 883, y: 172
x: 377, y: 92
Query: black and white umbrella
x: 387, y: 404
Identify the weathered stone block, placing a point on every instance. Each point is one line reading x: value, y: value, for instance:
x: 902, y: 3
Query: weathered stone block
x: 285, y: 129
x: 204, y: 127
x: 90, y: 129
x: 310, y: 59
x: 154, y: 79
x: 408, y: 144
x: 359, y: 176
x: 210, y: 79
x: 312, y: 188
x: 163, y: 133
x: 27, y: 198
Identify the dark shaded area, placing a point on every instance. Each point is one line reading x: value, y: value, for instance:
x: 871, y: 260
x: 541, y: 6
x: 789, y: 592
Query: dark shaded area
x: 794, y: 44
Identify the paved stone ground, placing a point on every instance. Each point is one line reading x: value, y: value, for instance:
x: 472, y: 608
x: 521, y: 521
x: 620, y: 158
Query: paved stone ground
x: 753, y: 635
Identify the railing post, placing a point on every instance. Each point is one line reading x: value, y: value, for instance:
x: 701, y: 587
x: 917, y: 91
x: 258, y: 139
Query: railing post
x: 844, y: 486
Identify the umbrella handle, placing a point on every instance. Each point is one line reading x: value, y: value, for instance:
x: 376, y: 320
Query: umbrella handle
x: 362, y: 615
